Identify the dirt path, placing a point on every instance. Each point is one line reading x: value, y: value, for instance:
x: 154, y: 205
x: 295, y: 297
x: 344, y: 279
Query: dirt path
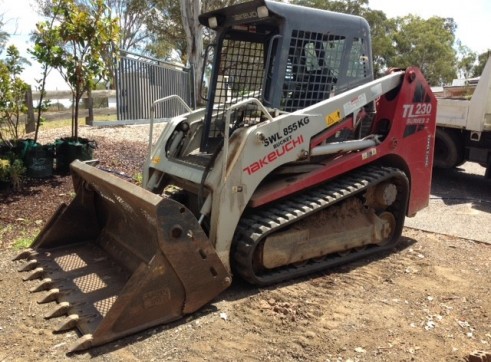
x: 429, y: 300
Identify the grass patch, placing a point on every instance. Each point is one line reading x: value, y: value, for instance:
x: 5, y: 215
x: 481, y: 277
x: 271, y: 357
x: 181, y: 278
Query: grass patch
x: 64, y: 123
x: 60, y: 123
x: 23, y: 242
x: 25, y: 239
x: 138, y: 178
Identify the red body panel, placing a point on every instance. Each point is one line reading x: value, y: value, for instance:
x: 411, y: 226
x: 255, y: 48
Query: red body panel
x: 410, y: 112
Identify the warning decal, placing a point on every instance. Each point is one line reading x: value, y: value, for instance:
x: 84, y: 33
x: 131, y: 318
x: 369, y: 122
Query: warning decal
x: 332, y: 118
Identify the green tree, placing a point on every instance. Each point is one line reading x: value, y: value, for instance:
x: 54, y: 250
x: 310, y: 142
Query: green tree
x: 75, y: 44
x: 354, y: 7
x: 382, y: 30
x: 43, y: 52
x: 404, y: 41
x: 132, y: 16
x: 12, y: 95
x: 168, y: 35
x: 129, y: 14
x: 481, y: 62
x: 427, y: 44
x: 466, y: 60
x: 177, y: 33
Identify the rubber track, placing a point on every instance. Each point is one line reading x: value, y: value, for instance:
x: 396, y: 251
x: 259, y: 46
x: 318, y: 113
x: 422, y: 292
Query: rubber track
x: 253, y: 228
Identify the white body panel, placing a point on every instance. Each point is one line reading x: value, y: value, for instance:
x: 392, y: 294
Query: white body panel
x: 473, y: 115
x: 233, y: 179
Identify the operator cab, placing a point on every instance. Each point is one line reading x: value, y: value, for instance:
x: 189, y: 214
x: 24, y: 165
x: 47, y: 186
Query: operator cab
x: 287, y: 56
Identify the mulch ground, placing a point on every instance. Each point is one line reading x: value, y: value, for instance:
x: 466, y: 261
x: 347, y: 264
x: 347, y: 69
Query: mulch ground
x: 23, y: 212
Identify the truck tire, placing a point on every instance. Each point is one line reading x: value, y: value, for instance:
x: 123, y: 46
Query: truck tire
x: 449, y: 149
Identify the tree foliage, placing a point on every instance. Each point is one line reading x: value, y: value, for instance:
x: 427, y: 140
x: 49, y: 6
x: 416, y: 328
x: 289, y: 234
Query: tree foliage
x: 466, y: 60
x: 481, y: 62
x: 169, y: 36
x: 131, y: 16
x: 177, y: 32
x: 427, y: 44
x: 43, y: 52
x: 75, y: 45
x: 151, y: 27
x: 354, y: 7
x: 12, y: 95
x: 404, y: 41
x: 168, y: 39
x: 169, y: 30
x: 382, y: 30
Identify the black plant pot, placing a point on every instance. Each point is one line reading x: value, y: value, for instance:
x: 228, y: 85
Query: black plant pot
x: 38, y: 160
x: 70, y: 149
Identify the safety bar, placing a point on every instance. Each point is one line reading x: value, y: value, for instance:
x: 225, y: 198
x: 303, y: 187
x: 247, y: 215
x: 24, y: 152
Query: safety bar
x: 227, y: 125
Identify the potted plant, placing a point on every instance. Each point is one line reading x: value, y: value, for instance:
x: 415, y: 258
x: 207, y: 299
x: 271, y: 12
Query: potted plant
x: 18, y: 155
x: 68, y: 149
x: 75, y: 45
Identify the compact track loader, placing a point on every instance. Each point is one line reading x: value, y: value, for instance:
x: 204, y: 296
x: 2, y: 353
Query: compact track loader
x: 299, y: 162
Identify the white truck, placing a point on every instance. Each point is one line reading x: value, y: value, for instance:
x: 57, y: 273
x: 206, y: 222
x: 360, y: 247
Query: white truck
x: 464, y: 126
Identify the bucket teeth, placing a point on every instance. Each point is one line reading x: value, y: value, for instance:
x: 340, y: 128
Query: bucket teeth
x: 69, y: 323
x: 84, y: 342
x: 28, y: 266
x: 26, y: 254
x: 35, y: 274
x: 58, y: 311
x: 51, y: 296
x: 45, y: 284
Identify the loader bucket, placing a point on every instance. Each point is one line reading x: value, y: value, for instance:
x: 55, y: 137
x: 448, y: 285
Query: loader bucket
x: 119, y: 259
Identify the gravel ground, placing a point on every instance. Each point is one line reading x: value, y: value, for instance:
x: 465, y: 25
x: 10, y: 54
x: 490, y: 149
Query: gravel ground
x: 460, y: 204
x: 429, y: 300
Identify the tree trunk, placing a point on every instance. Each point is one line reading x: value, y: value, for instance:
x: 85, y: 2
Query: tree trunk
x: 190, y: 9
x: 89, y: 120
x: 75, y: 118
x: 31, y: 123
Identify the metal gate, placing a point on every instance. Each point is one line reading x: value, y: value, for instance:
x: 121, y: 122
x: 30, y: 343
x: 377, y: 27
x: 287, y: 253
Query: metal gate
x: 141, y: 80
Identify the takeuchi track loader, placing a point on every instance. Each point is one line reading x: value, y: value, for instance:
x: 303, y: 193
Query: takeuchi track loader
x: 299, y: 162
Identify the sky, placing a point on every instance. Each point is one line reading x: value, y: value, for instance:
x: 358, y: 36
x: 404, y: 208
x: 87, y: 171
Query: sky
x: 472, y: 18
x: 20, y: 20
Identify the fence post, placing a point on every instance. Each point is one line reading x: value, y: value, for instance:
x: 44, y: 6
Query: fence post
x: 30, y: 123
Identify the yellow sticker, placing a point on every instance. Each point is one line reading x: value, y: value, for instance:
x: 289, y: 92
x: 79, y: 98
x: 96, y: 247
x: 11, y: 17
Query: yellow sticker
x: 156, y: 159
x: 332, y: 118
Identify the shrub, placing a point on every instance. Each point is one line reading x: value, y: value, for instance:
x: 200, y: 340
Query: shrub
x: 12, y: 172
